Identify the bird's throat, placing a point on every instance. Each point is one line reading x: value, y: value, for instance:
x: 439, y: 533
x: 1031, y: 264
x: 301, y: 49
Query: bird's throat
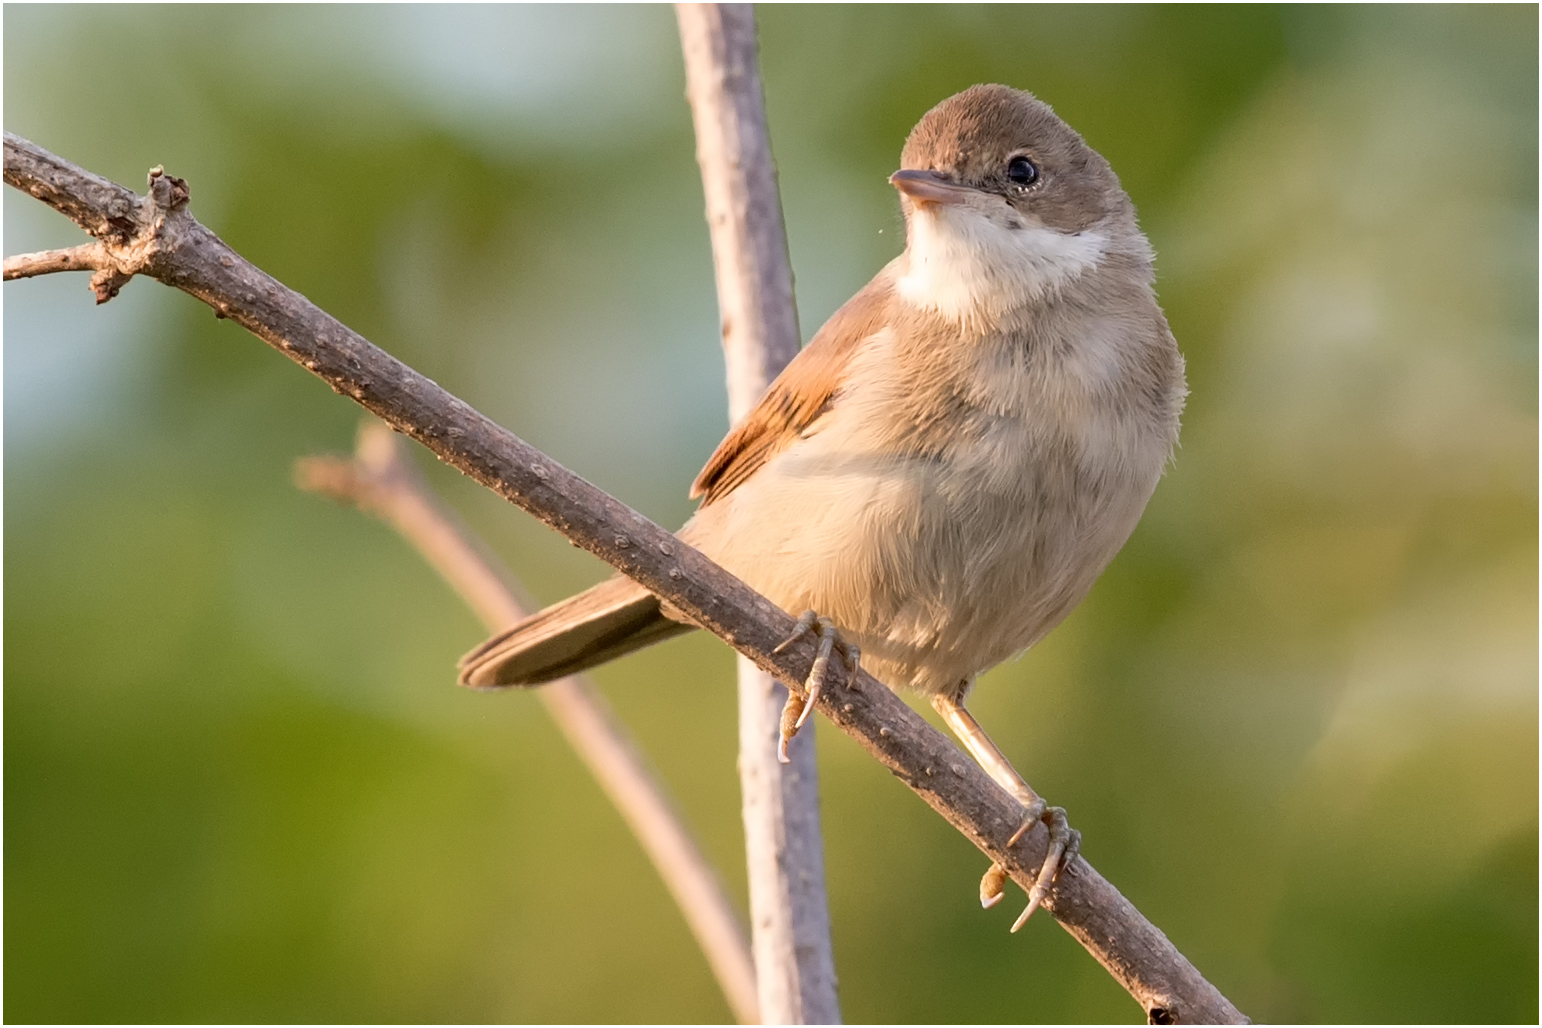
x: 974, y: 266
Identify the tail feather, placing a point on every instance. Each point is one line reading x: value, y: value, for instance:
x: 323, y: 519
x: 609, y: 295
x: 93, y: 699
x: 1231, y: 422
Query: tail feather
x: 608, y: 621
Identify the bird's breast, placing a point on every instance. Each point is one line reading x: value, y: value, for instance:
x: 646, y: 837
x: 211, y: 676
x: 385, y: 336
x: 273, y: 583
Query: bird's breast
x: 952, y: 506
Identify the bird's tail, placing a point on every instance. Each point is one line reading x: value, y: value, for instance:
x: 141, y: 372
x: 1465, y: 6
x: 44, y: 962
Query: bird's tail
x: 610, y: 620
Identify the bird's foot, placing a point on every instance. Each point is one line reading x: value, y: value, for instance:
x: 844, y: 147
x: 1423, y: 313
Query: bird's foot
x: 1064, y: 844
x: 798, y: 708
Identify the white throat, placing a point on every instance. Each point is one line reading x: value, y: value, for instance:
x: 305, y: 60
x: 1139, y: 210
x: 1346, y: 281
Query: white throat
x: 967, y: 265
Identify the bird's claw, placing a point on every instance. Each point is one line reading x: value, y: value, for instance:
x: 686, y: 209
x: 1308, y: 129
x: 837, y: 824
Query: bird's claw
x: 1065, y: 843
x: 798, y: 708
x: 993, y: 886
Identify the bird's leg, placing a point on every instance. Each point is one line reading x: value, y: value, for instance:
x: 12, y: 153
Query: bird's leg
x: 798, y: 708
x: 1064, y: 841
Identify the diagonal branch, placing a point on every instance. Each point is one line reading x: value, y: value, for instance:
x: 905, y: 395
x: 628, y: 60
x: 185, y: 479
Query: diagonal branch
x: 382, y: 482
x: 180, y: 252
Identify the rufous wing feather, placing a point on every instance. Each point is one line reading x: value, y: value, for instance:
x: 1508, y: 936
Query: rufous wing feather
x: 801, y: 393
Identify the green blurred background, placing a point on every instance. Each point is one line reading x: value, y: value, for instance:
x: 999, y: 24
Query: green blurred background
x: 1296, y: 721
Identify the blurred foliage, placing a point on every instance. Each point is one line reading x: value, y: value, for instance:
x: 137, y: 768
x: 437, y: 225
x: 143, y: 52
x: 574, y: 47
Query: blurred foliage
x: 1296, y: 721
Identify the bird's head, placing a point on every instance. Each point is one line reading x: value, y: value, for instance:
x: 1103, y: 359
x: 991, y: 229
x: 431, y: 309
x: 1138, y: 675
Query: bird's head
x: 1003, y: 201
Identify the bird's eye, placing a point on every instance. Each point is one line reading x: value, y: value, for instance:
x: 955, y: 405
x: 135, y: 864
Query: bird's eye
x: 1022, y: 171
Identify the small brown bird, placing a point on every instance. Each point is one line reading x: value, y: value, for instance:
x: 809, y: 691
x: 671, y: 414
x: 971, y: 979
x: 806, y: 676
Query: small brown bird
x: 948, y: 466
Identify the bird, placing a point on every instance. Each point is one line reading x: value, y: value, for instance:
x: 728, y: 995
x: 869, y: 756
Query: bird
x: 939, y: 477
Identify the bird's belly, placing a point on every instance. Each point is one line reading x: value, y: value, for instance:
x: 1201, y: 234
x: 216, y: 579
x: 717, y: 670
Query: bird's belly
x: 938, y: 569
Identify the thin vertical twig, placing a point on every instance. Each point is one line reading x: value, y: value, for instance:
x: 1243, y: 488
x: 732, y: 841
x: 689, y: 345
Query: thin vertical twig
x: 381, y: 481
x: 784, y: 848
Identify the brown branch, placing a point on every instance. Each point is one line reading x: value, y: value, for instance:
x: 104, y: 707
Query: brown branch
x: 180, y: 252
x: 744, y: 209
x: 783, y: 845
x: 381, y: 481
x: 85, y: 257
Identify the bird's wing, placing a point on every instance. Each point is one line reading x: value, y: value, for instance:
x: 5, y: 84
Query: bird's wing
x: 804, y: 390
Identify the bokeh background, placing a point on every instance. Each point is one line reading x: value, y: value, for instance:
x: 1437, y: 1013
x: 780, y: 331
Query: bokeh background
x: 1296, y: 721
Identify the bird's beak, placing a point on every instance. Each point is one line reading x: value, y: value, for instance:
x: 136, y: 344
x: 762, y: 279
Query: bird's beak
x: 930, y: 187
